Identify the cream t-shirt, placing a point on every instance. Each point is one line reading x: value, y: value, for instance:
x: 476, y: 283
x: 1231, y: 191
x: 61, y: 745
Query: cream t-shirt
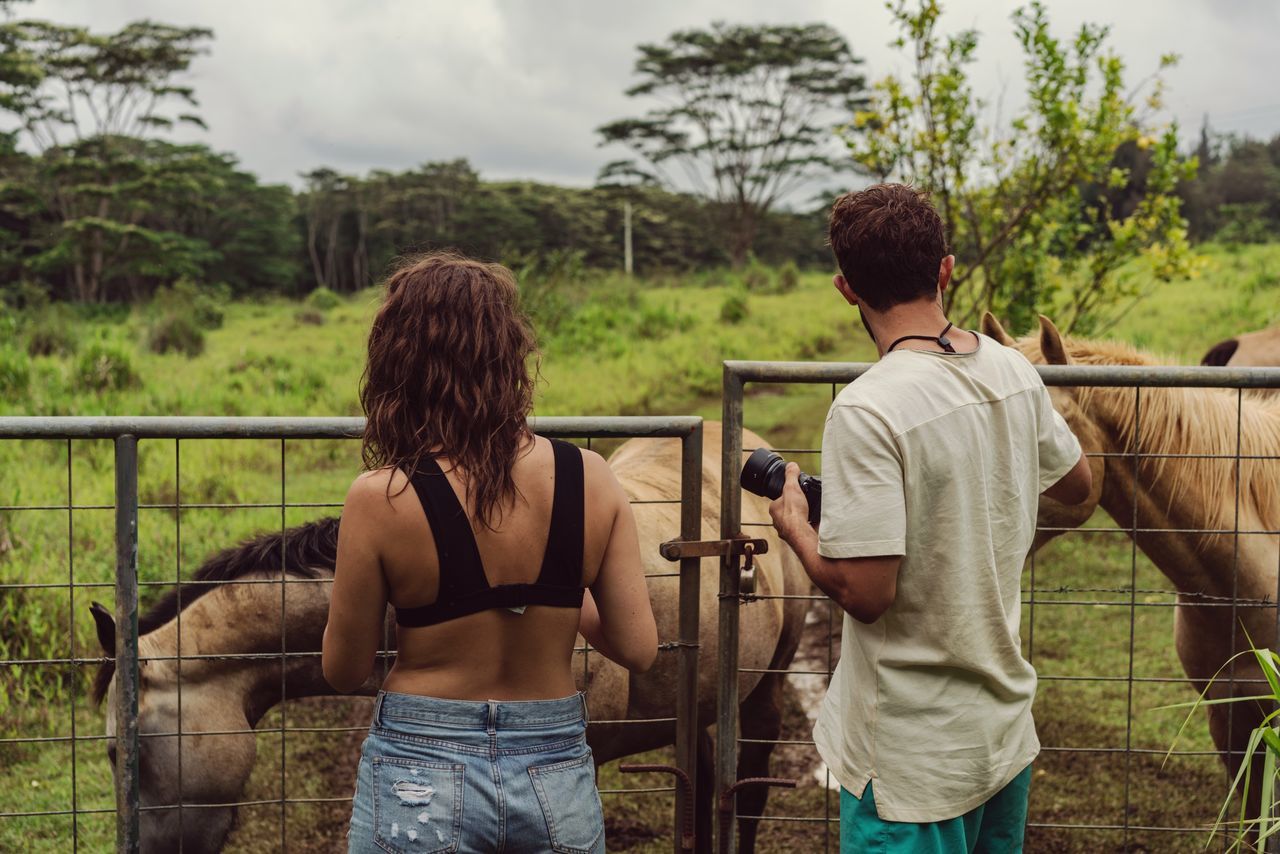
x: 939, y: 458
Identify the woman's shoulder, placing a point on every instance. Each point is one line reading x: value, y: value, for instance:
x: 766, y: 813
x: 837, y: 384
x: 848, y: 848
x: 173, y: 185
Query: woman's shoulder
x: 377, y: 489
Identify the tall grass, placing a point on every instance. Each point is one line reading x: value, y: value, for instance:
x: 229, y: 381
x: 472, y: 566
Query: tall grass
x: 617, y: 346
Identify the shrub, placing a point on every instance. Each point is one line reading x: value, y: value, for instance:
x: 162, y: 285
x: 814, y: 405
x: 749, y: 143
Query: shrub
x: 103, y: 367
x: 176, y: 331
x: 788, y: 278
x: 51, y: 333
x: 309, y: 316
x: 817, y: 346
x: 323, y: 299
x: 734, y: 308
x: 757, y: 277
x: 546, y: 282
x: 203, y: 305
x: 658, y: 321
x: 15, y: 372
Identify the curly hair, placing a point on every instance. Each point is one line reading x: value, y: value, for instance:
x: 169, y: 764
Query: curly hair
x: 448, y: 375
x: 888, y: 241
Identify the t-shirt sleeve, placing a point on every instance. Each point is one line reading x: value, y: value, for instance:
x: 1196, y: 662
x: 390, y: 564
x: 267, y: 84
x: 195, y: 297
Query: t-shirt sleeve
x: 864, y: 510
x: 1059, y: 447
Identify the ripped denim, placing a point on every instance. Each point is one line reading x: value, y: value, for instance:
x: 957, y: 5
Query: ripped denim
x: 456, y: 775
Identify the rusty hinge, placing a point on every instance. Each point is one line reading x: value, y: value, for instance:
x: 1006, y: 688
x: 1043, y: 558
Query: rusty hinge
x: 727, y: 550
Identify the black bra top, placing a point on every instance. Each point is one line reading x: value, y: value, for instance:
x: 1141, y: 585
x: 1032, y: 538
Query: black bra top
x: 464, y: 589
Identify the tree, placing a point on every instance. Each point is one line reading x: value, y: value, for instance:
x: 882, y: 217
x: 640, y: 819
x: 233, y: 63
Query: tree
x: 87, y: 103
x: 1015, y: 198
x: 748, y: 113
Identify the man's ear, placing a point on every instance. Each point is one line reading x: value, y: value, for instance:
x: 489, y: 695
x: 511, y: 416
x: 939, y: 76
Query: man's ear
x: 945, y: 269
x: 842, y: 285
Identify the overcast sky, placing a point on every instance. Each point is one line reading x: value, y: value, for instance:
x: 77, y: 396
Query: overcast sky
x: 518, y: 86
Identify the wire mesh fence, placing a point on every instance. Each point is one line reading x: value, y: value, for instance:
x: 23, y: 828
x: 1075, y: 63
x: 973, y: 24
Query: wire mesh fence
x: 128, y: 511
x: 1186, y: 531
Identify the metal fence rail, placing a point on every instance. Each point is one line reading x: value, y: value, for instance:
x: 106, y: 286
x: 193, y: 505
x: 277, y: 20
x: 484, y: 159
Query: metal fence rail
x: 1123, y: 596
x: 125, y: 434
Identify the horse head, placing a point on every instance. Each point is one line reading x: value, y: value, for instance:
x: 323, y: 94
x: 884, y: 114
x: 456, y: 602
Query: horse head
x: 205, y: 773
x: 1048, y: 348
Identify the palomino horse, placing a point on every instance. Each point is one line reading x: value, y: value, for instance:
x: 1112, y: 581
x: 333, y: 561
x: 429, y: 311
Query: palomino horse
x: 1190, y: 510
x: 1258, y: 349
x: 227, y: 698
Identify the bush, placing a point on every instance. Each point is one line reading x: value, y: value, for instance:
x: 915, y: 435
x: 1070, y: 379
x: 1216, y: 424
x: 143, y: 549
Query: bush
x: 176, y: 331
x: 51, y: 333
x: 104, y: 367
x: 788, y: 278
x: 202, y: 305
x: 309, y: 316
x: 757, y: 277
x: 546, y: 282
x: 734, y: 308
x: 658, y: 321
x: 15, y: 372
x: 323, y: 299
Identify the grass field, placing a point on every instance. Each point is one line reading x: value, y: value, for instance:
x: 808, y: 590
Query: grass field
x: 627, y: 348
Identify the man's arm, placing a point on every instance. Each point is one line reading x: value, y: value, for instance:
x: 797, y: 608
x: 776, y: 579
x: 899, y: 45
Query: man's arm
x: 864, y: 587
x: 1074, y: 486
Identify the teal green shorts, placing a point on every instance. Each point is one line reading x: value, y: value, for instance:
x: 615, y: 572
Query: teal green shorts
x: 996, y: 827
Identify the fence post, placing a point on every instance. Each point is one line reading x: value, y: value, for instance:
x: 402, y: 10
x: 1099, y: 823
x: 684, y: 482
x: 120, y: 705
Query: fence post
x: 730, y: 525
x: 690, y: 602
x: 126, y: 677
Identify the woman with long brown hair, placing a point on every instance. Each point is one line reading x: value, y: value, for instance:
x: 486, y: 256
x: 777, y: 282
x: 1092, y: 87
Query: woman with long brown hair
x: 483, y: 538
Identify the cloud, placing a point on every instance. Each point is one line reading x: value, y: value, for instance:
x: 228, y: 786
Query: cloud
x: 519, y: 86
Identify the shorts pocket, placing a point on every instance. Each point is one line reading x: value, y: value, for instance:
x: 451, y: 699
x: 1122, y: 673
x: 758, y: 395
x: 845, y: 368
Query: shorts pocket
x: 417, y: 806
x: 570, y: 804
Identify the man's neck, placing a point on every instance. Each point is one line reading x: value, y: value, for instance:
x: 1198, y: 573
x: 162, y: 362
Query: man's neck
x: 921, y: 317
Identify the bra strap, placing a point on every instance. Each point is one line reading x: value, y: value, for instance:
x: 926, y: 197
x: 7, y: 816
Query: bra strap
x: 461, y: 570
x: 562, y: 561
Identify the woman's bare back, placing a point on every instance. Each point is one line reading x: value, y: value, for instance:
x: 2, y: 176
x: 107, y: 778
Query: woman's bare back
x: 493, y: 654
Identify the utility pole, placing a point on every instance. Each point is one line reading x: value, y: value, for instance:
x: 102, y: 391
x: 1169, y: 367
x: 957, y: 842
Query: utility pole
x: 626, y: 236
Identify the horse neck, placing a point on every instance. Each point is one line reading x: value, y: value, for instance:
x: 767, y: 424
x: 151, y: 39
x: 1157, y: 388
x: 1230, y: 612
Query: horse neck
x: 247, y: 619
x: 1189, y: 495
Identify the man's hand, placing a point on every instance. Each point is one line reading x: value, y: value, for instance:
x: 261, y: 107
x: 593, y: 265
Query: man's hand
x: 790, y: 511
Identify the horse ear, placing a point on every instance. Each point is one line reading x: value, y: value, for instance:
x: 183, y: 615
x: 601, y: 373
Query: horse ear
x: 1055, y: 353
x: 992, y: 329
x: 106, y: 628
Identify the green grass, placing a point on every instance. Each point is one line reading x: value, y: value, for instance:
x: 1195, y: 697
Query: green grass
x: 628, y: 348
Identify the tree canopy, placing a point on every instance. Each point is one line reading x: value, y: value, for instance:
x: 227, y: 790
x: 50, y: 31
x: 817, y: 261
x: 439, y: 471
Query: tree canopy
x: 747, y: 113
x: 1026, y: 204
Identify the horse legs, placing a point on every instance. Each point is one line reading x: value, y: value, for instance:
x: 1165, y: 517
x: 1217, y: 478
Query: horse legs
x: 761, y: 720
x: 704, y: 798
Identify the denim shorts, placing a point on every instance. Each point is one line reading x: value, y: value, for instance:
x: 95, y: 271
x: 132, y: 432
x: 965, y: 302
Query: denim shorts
x: 459, y: 775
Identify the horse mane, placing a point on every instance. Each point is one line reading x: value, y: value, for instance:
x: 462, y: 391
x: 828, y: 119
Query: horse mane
x: 1180, y: 421
x: 306, y: 551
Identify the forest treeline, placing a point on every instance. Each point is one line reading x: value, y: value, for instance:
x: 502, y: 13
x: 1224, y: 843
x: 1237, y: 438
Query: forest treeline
x: 185, y: 211
x: 96, y: 206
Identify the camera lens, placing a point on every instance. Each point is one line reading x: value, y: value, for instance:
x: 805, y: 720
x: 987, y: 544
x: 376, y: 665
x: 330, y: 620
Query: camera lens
x: 765, y: 473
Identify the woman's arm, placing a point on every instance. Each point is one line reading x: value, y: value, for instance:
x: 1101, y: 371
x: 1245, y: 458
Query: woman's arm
x: 617, y: 615
x: 358, y: 603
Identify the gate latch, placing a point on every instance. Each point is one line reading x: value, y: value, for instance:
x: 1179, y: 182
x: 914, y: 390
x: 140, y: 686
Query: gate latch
x: 727, y: 550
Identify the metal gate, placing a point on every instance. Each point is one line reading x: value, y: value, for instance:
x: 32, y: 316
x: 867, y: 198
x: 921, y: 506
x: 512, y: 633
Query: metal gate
x: 1124, y: 596
x: 125, y: 433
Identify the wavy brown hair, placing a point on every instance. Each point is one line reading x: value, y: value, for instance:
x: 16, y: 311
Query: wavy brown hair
x: 448, y: 375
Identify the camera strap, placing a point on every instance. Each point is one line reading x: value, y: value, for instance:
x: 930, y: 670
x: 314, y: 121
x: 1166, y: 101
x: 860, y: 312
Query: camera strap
x: 940, y: 339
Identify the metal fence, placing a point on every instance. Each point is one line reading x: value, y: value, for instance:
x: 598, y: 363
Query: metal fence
x: 125, y: 434
x: 1114, y: 755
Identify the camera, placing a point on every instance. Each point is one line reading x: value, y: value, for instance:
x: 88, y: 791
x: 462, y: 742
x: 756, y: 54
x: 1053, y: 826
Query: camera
x: 765, y: 473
